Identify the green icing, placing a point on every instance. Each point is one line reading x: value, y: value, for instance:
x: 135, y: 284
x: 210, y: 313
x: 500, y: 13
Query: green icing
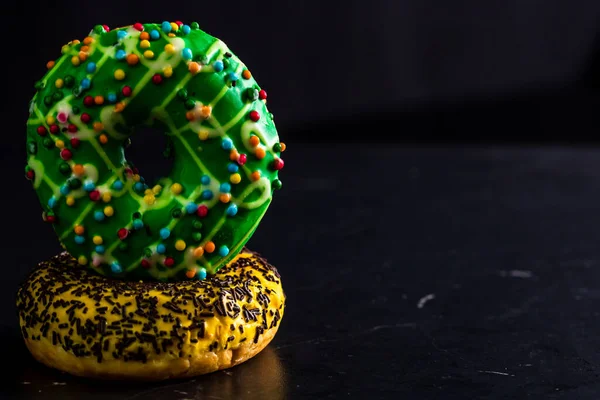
x: 203, y: 113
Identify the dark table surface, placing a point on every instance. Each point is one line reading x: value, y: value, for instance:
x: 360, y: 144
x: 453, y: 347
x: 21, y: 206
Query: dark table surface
x: 426, y: 273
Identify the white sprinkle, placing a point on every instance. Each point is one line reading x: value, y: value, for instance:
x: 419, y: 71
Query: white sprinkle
x: 516, y: 273
x: 59, y: 383
x: 425, y: 299
x: 495, y: 373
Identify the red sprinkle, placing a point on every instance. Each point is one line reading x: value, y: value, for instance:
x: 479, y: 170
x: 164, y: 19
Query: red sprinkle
x: 88, y: 101
x: 95, y: 195
x: 179, y: 23
x: 41, y: 130
x: 85, y: 118
x: 54, y: 129
x: 50, y: 218
x: 145, y: 264
x: 157, y: 79
x: 72, y: 128
x: 262, y: 94
x: 169, y: 262
x: 106, y: 28
x: 242, y: 159
x: 277, y: 164
x: 202, y: 211
x: 122, y: 233
x: 75, y: 142
x: 30, y: 174
x: 254, y: 115
x: 66, y: 154
x: 139, y: 27
x: 126, y: 91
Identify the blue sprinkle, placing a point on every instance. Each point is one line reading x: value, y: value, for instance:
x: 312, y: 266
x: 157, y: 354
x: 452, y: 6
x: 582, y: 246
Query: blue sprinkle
x: 218, y: 66
x: 207, y: 195
x: 100, y: 249
x: 64, y: 189
x: 120, y: 54
x: 205, y: 179
x: 232, y: 76
x: 111, y: 97
x: 191, y: 208
x: 202, y: 274
x: 138, y: 224
x: 226, y: 144
x: 166, y: 26
x: 91, y: 67
x: 52, y: 202
x: 232, y: 210
x: 86, y: 83
x: 186, y: 53
x: 160, y: 249
x: 165, y: 233
x: 232, y: 168
x: 223, y: 251
x: 225, y: 187
x: 118, y: 185
x: 115, y: 267
x: 79, y: 239
x: 185, y: 29
x: 138, y: 187
x: 99, y: 215
x: 154, y: 34
x: 121, y: 34
x: 89, y: 186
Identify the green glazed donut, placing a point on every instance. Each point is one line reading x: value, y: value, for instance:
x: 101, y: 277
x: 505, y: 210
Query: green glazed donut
x: 223, y: 140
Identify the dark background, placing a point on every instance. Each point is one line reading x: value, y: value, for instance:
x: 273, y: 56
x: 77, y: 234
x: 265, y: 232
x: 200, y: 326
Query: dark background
x: 443, y: 147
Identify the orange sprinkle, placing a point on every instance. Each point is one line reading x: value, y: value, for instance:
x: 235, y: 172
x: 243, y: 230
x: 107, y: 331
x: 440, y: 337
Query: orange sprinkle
x: 98, y: 126
x: 144, y: 36
x: 283, y: 147
x: 190, y: 273
x: 119, y: 107
x: 50, y: 64
x: 78, y: 169
x: 103, y: 139
x: 246, y: 74
x: 79, y: 230
x: 132, y: 59
x: 209, y: 247
x: 83, y: 56
x: 194, y: 67
x: 255, y: 176
x: 225, y: 197
x: 87, y: 40
x: 99, y: 100
x: 171, y: 34
x: 260, y: 153
x: 198, y: 252
x: 190, y: 115
x: 85, y: 48
x: 75, y: 60
x: 234, y: 155
x: 254, y: 141
x: 76, y: 41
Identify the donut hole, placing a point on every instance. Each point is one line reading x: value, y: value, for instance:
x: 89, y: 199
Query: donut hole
x: 148, y: 151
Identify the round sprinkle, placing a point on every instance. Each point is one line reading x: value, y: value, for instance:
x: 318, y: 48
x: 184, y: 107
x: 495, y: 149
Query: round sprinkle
x: 180, y: 245
x: 207, y: 194
x: 232, y: 76
x: 186, y: 53
x: 115, y: 267
x: 126, y: 91
x: 198, y: 252
x: 79, y: 239
x: 88, y: 186
x: 97, y: 240
x: 202, y: 211
x: 52, y: 202
x: 59, y: 83
x: 185, y: 29
x: 122, y: 233
x: 235, y: 178
x: 137, y: 224
x: 132, y: 59
x: 225, y: 198
x: 232, y: 210
x: 176, y: 188
x: 66, y: 154
x: 223, y: 251
x: 144, y: 36
x: 106, y: 197
x: 165, y: 233
x: 157, y: 79
x: 262, y: 94
x: 218, y: 66
x: 166, y: 26
x: 117, y: 185
x: 209, y: 247
x: 154, y: 34
x: 100, y: 249
x: 254, y: 176
x: 194, y: 67
x: 277, y: 164
x: 254, y: 141
x: 119, y: 74
x: 109, y: 211
x: 120, y: 54
x: 226, y: 144
x: 190, y: 273
x: 111, y: 97
x: 276, y: 184
x: 254, y: 115
x: 246, y: 74
x: 168, y: 71
x: 260, y: 153
x: 169, y: 49
x: 161, y: 249
x: 191, y: 208
x: 138, y: 26
x: 201, y: 274
x: 121, y: 34
x: 149, y: 54
x: 205, y: 179
x: 99, y: 215
x: 82, y: 260
x: 225, y: 187
x: 232, y: 168
x: 79, y: 230
x: 144, y: 44
x: 169, y: 262
x: 90, y: 67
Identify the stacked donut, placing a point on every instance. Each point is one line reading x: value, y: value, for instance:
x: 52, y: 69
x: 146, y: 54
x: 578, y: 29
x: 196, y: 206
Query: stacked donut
x: 155, y: 281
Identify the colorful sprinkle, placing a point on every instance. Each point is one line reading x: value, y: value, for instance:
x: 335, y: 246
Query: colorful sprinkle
x: 119, y: 74
x: 186, y: 53
x: 201, y: 273
x: 218, y: 66
x: 161, y: 248
x: 154, y: 34
x: 180, y: 245
x: 165, y: 233
x: 209, y: 247
x: 226, y: 144
x: 223, y: 251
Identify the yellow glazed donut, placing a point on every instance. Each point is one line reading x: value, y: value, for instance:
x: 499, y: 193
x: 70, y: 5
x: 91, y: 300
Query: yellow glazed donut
x: 88, y: 325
